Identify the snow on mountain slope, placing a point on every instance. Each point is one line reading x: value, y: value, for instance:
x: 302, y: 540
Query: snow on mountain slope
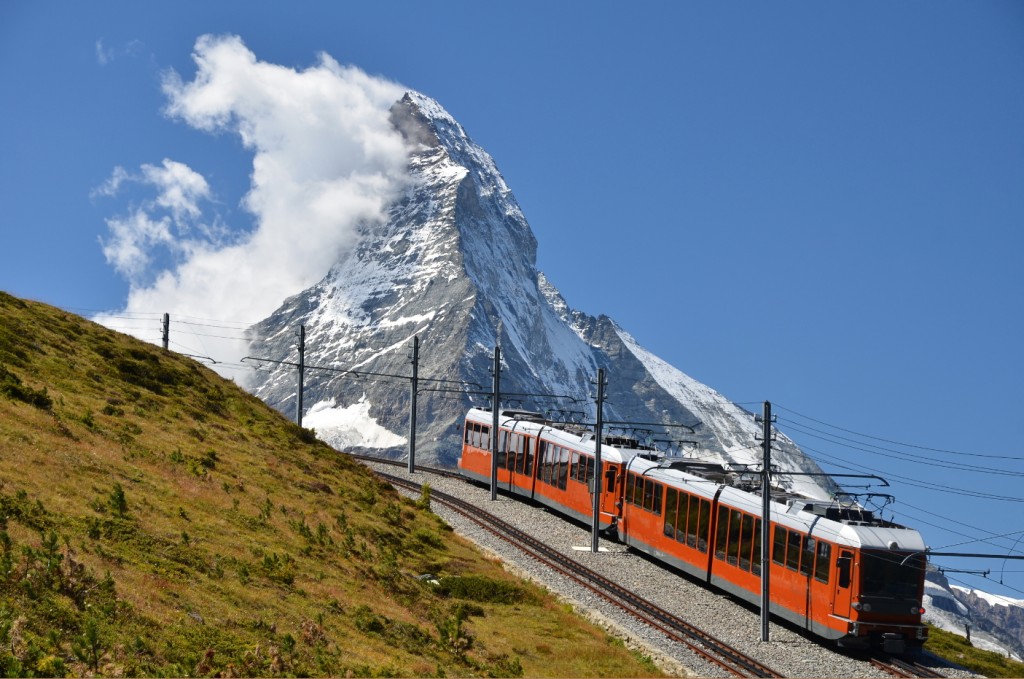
x: 734, y: 427
x: 996, y: 623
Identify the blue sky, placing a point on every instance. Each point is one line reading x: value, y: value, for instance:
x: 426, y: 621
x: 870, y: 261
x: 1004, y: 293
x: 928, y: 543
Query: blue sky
x: 816, y: 203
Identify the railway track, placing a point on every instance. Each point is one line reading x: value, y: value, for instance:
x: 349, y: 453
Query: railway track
x: 901, y: 668
x: 699, y: 642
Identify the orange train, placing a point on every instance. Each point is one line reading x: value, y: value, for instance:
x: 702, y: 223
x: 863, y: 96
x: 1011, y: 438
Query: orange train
x: 837, y: 570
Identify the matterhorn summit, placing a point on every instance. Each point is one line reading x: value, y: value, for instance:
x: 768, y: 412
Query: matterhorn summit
x: 454, y: 265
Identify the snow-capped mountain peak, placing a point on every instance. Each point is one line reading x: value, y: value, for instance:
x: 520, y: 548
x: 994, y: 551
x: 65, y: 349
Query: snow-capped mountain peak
x: 455, y: 265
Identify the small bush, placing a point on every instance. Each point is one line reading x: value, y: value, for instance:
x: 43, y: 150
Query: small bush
x: 117, y: 501
x: 482, y: 589
x: 424, y: 500
x: 12, y: 387
x: 427, y: 538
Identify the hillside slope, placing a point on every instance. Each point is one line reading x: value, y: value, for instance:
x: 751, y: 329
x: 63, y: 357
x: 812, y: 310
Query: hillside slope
x: 157, y: 520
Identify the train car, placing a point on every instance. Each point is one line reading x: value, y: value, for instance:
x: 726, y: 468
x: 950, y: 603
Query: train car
x: 554, y: 466
x: 836, y: 570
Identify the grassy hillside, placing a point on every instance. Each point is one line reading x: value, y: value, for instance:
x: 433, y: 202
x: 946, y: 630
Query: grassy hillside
x: 957, y: 649
x: 157, y: 520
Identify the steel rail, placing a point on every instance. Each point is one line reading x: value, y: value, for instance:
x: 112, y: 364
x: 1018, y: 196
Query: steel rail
x: 901, y: 668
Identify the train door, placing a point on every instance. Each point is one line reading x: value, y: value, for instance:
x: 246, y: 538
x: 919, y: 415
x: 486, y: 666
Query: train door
x: 844, y: 583
x: 521, y: 471
x: 610, y: 489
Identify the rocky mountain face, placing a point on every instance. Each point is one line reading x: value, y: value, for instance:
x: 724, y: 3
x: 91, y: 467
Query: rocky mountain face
x: 995, y: 623
x: 455, y: 265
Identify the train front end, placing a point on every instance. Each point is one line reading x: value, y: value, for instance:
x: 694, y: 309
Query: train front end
x: 886, y: 577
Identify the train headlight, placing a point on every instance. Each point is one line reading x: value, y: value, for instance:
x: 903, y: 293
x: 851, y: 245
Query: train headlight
x: 916, y: 610
x: 856, y: 605
x: 866, y: 608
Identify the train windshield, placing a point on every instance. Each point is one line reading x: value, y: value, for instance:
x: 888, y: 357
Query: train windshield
x: 891, y: 574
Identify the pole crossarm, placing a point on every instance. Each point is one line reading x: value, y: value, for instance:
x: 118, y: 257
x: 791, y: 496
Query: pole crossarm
x: 627, y: 423
x: 845, y: 476
x: 963, y: 555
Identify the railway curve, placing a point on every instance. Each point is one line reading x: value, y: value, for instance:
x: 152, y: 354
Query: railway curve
x: 788, y: 654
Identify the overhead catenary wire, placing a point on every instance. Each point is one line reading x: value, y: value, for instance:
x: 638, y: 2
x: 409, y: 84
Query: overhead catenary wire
x: 898, y: 443
x: 913, y: 482
x: 888, y: 452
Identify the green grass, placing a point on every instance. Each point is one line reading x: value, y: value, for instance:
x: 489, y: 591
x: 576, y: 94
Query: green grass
x: 155, y: 520
x: 958, y: 650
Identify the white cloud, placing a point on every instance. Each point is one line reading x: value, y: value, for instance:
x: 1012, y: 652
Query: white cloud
x: 181, y: 188
x: 134, y: 238
x: 324, y: 159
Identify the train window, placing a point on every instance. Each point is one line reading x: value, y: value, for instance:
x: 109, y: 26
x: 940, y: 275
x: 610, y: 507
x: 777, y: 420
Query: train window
x: 692, y: 509
x: 722, y: 532
x: 683, y: 522
x: 574, y: 466
x: 746, y: 541
x: 671, y: 507
x: 658, y: 491
x: 514, y: 447
x: 793, y: 550
x: 844, y: 565
x: 704, y: 526
x: 528, y: 447
x: 735, y: 534
x: 755, y: 552
x: 807, y: 560
x: 638, y: 491
x: 779, y: 546
x: 503, y: 450
x: 590, y: 470
x: 648, y: 495
x: 563, y: 468
x: 630, y: 487
x: 821, y: 563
